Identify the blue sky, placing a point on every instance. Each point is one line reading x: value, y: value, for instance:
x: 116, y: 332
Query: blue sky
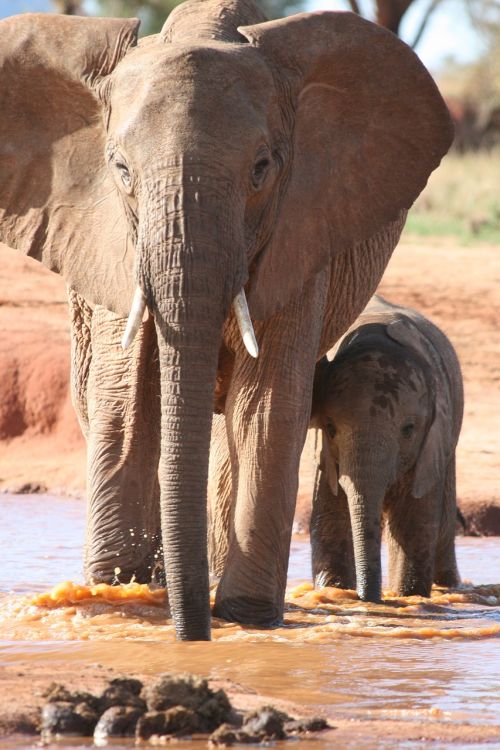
x: 449, y: 33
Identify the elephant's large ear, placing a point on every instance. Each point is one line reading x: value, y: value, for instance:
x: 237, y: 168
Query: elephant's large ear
x: 435, y: 452
x: 58, y: 202
x: 369, y: 128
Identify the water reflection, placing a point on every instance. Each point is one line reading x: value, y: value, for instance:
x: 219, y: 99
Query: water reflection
x: 41, y: 539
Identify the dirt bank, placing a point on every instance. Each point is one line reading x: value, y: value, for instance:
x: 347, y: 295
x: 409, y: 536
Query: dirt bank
x: 22, y: 687
x: 40, y: 442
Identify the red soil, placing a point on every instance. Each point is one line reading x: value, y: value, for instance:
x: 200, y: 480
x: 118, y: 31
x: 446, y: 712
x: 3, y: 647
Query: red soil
x: 41, y: 442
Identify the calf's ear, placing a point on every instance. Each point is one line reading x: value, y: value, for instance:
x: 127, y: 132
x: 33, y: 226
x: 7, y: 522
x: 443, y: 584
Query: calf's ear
x: 436, y: 449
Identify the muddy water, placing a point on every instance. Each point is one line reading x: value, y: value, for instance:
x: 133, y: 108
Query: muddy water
x: 405, y: 660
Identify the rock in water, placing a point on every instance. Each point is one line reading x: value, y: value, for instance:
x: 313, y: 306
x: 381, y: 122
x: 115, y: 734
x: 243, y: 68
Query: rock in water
x: 57, y: 693
x: 185, y: 690
x: 119, y: 695
x: 314, y: 724
x: 266, y: 723
x: 226, y: 735
x: 259, y: 726
x: 117, y: 721
x: 191, y: 692
x: 150, y: 724
x: 65, y: 718
x: 130, y: 684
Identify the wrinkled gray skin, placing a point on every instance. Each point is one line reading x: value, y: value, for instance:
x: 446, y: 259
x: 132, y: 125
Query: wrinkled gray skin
x: 390, y: 407
x: 116, y: 397
x: 224, y: 152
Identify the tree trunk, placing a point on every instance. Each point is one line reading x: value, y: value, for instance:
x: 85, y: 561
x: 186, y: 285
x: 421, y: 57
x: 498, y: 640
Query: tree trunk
x: 390, y: 12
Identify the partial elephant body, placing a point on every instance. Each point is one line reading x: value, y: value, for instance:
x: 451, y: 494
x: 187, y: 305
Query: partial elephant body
x: 346, y: 297
x: 389, y: 403
x: 225, y: 152
x: 116, y: 398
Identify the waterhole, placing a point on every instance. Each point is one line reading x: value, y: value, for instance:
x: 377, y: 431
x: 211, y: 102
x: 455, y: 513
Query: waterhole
x: 406, y: 660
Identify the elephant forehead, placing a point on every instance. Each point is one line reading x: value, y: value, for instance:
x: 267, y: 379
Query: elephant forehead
x: 380, y: 376
x: 215, y: 83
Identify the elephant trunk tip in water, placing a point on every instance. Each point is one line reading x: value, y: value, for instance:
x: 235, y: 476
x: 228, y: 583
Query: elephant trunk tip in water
x: 240, y: 309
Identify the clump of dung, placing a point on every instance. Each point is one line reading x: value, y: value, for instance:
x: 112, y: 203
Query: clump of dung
x: 172, y: 706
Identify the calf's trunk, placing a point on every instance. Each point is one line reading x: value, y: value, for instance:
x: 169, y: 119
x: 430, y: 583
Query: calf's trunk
x: 364, y: 478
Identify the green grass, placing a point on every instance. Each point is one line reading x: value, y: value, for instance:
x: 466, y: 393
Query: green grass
x: 461, y: 200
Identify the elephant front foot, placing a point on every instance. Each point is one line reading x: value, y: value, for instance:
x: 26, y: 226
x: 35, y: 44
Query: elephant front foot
x: 147, y: 571
x: 326, y: 579
x: 412, y: 585
x: 448, y: 578
x: 248, y: 611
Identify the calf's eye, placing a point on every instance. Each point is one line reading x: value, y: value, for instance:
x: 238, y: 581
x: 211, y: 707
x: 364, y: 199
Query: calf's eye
x: 408, y: 429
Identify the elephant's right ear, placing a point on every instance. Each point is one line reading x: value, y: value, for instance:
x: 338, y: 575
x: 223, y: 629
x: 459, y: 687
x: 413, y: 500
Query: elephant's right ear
x: 367, y: 127
x: 58, y: 202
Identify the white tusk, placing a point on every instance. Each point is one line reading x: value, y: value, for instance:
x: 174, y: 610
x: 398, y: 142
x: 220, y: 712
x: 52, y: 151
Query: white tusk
x: 134, y: 319
x: 245, y: 323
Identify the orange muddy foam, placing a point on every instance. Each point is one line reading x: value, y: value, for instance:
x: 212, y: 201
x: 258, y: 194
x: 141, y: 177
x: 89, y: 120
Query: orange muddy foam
x: 67, y: 593
x: 133, y: 611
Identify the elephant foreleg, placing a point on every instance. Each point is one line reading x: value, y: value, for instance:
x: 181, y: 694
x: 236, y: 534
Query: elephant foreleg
x: 331, y: 536
x: 123, y: 521
x: 412, y: 536
x: 220, y: 496
x: 267, y: 414
x: 445, y: 569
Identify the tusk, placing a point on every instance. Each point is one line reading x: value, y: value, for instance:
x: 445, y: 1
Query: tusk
x: 245, y: 323
x: 134, y: 319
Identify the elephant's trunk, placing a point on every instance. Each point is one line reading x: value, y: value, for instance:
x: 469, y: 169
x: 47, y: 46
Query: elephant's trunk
x: 364, y: 477
x: 189, y: 281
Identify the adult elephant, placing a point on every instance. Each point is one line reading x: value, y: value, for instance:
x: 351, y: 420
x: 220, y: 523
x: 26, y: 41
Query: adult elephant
x: 226, y: 153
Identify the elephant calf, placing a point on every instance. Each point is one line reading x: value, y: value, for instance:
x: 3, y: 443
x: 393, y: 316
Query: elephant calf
x: 390, y: 407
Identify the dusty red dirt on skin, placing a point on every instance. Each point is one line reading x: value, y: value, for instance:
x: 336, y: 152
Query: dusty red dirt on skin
x: 40, y: 440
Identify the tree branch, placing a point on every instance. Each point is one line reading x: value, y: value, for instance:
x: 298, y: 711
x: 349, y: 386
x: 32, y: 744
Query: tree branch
x: 355, y: 7
x: 423, y: 23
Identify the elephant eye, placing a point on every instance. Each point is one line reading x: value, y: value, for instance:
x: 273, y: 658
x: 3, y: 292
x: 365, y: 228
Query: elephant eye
x: 259, y: 171
x: 331, y: 430
x: 408, y: 429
